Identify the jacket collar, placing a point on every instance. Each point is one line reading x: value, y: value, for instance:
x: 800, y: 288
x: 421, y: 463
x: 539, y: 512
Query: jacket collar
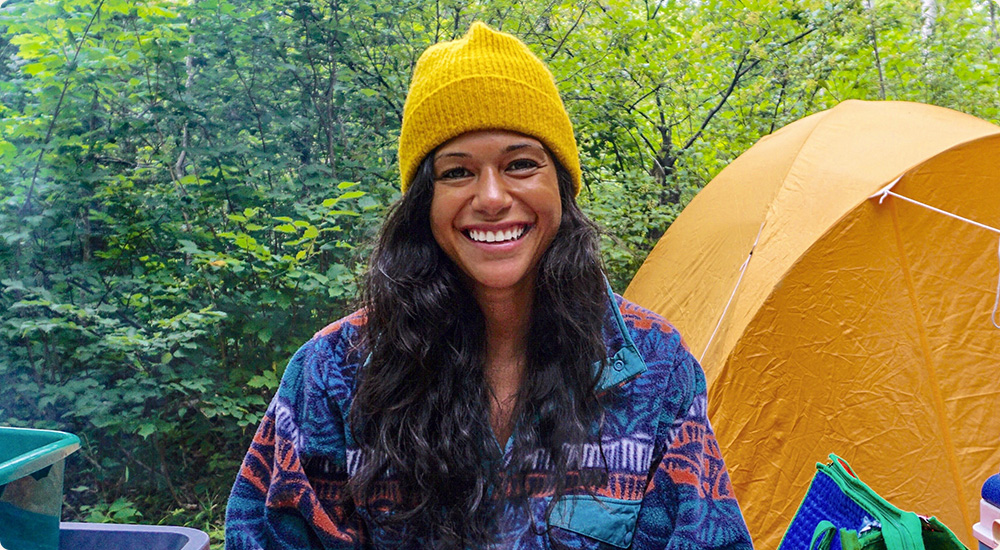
x: 623, y: 362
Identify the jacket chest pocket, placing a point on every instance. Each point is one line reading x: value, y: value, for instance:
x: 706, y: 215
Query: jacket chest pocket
x: 583, y: 521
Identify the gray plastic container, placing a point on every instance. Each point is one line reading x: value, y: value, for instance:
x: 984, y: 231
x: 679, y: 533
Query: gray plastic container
x: 108, y: 536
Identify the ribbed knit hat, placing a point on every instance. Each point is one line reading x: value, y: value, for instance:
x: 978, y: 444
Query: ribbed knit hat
x: 486, y: 80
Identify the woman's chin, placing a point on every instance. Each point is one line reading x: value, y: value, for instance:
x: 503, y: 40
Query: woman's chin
x: 495, y: 281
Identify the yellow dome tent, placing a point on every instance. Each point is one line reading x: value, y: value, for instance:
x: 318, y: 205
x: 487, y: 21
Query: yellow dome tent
x: 830, y: 321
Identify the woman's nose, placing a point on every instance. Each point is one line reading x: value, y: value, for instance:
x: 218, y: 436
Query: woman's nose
x: 492, y: 197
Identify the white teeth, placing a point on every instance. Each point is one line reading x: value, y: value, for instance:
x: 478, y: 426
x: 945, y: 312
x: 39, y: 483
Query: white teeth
x: 498, y: 236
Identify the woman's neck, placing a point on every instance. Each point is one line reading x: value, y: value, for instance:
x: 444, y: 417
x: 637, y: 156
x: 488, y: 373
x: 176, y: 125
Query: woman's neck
x: 507, y: 314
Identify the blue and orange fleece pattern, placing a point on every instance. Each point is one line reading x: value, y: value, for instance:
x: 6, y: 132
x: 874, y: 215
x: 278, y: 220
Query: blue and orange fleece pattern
x: 667, y: 485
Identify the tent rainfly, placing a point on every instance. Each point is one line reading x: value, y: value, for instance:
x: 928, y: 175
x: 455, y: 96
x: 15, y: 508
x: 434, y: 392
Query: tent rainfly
x: 835, y: 310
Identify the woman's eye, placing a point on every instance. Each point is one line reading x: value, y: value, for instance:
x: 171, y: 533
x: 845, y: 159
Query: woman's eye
x: 522, y: 164
x: 454, y: 173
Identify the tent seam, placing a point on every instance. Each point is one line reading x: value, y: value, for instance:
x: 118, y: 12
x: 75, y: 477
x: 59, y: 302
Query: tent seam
x: 795, y: 159
x: 928, y: 364
x: 822, y: 115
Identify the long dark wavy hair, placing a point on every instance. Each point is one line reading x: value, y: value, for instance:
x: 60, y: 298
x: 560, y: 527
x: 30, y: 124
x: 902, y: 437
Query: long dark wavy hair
x: 420, y: 414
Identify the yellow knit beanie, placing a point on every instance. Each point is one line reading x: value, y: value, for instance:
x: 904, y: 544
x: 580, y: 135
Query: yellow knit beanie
x: 482, y: 81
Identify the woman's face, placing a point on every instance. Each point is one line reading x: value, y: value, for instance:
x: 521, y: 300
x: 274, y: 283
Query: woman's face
x: 496, y: 207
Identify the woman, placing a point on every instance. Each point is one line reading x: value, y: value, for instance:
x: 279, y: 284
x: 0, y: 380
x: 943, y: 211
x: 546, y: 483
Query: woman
x: 492, y: 392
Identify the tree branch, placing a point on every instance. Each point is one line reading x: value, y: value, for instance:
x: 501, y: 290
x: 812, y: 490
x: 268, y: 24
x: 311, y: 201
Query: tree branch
x: 55, y: 115
x: 569, y: 32
x: 737, y: 76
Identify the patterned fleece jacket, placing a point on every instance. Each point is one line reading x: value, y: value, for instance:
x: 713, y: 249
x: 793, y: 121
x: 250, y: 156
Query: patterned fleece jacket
x: 666, y: 484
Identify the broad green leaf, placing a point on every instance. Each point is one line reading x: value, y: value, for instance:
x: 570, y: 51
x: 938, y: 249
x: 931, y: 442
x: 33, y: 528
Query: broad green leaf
x: 342, y: 213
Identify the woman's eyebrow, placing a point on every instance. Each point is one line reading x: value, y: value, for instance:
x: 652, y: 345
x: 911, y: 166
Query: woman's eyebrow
x: 517, y: 146
x: 452, y: 154
x: 509, y: 148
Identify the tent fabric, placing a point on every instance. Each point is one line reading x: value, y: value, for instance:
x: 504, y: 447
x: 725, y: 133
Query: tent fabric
x: 860, y: 327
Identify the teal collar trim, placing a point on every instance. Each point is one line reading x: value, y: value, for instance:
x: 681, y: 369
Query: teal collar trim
x: 626, y: 363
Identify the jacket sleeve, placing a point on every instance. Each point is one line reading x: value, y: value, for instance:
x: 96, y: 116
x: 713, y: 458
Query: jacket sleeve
x: 290, y: 491
x: 689, y: 501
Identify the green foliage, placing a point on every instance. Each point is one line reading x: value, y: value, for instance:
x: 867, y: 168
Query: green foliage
x: 189, y: 189
x: 119, y: 511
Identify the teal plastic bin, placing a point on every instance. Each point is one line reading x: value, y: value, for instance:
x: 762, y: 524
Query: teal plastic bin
x: 31, y: 486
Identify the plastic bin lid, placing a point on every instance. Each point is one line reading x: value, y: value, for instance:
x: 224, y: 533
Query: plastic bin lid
x: 105, y: 536
x: 24, y: 451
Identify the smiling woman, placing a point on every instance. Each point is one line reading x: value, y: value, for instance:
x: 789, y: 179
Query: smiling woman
x: 489, y: 186
x: 492, y: 391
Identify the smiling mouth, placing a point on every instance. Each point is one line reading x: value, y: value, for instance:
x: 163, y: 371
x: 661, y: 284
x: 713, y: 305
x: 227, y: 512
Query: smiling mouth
x: 508, y: 235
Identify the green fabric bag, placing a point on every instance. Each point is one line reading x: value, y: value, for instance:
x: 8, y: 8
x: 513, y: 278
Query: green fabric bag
x: 892, y: 528
x: 934, y: 535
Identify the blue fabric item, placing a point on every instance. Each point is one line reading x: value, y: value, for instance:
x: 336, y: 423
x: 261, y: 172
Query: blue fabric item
x: 823, y: 501
x: 666, y: 487
x: 991, y: 490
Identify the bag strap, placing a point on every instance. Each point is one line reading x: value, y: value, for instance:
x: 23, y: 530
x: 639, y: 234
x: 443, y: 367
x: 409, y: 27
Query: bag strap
x: 823, y: 536
x: 900, y: 530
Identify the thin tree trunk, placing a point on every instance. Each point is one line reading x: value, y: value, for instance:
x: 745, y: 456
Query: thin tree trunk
x: 929, y: 11
x: 928, y: 14
x: 874, y: 37
x: 180, y: 166
x: 87, y: 232
x: 993, y: 23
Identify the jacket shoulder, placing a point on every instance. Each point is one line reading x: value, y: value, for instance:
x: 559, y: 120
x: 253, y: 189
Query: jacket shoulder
x: 350, y: 323
x: 669, y: 362
x: 325, y: 366
x: 640, y: 319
